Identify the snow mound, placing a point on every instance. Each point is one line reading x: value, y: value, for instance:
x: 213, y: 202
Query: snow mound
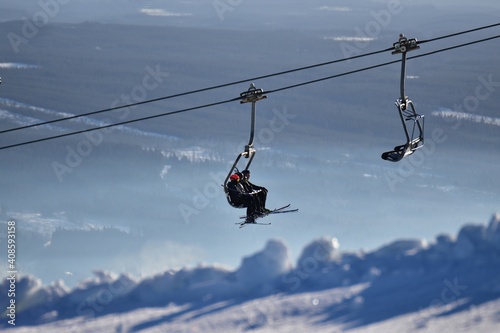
x: 322, y: 250
x: 462, y: 270
x: 400, y: 248
x: 261, y: 269
x: 493, y: 231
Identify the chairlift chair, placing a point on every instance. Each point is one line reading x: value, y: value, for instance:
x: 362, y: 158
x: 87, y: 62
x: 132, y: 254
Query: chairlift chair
x: 406, y: 109
x: 415, y: 139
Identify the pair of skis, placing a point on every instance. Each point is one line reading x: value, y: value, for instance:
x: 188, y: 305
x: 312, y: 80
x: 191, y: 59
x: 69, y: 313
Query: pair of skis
x: 280, y: 210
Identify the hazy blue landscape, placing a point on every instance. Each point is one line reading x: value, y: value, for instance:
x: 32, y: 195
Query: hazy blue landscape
x: 145, y: 197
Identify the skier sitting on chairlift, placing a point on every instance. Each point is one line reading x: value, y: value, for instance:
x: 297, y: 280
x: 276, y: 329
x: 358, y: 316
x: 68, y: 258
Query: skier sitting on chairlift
x: 259, y: 191
x: 240, y: 197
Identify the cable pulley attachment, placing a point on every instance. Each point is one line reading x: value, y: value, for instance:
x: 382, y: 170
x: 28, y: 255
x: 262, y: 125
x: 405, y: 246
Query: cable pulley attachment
x: 252, y: 95
x: 406, y: 108
x: 404, y: 45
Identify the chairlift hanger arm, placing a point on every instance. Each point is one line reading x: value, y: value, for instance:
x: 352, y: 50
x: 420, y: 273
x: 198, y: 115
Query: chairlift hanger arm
x: 403, y: 46
x: 252, y: 95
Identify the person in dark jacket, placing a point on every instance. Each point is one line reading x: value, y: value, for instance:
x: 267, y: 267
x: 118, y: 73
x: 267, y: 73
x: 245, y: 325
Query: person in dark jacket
x: 240, y: 197
x: 259, y: 191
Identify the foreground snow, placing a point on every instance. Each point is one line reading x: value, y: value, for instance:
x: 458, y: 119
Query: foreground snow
x: 305, y: 312
x: 451, y: 285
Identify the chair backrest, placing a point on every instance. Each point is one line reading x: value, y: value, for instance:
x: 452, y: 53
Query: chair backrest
x: 228, y: 197
x: 414, y: 139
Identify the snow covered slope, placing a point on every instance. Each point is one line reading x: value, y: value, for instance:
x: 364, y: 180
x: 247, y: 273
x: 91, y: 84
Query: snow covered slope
x: 450, y: 285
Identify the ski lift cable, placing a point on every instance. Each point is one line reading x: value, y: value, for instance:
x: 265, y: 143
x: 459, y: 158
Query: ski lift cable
x: 235, y: 82
x: 239, y: 98
x: 119, y: 124
x: 459, y: 33
x: 195, y: 91
x: 455, y: 47
x: 382, y: 64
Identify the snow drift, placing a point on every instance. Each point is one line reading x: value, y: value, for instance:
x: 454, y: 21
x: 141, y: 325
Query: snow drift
x: 401, y: 277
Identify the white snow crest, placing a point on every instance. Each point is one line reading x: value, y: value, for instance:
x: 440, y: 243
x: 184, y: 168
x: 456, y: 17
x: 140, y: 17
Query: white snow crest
x: 400, y: 247
x: 493, y: 231
x: 162, y: 12
x: 193, y: 154
x: 16, y: 65
x: 26, y: 120
x: 323, y: 250
x: 475, y: 118
x: 261, y: 269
